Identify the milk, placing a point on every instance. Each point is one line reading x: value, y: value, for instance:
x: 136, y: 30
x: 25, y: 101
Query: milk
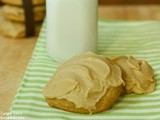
x: 71, y: 28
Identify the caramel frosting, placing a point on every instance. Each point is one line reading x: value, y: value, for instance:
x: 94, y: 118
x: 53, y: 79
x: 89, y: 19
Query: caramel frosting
x: 83, y: 80
x: 137, y: 75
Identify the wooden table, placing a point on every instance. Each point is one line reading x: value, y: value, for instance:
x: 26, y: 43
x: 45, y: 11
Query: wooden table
x: 14, y: 57
x: 16, y: 53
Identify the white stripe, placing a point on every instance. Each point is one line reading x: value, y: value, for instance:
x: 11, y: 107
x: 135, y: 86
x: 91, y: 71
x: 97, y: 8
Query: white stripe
x: 40, y: 61
x: 29, y: 101
x: 39, y: 53
x: 38, y: 93
x: 40, y: 68
x: 50, y: 64
x: 27, y: 88
x: 35, y: 107
x: 47, y: 67
x: 33, y: 84
x: 36, y: 78
x: 41, y: 57
x: 39, y: 74
x: 41, y: 45
x: 30, y: 95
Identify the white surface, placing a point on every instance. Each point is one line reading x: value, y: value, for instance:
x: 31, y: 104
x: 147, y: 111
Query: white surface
x: 71, y: 27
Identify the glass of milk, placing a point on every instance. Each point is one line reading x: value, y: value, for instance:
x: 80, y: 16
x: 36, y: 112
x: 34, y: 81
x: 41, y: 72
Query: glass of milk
x: 71, y: 27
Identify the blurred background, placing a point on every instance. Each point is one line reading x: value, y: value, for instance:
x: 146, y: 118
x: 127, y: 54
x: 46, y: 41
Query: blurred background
x: 129, y: 9
x: 12, y: 16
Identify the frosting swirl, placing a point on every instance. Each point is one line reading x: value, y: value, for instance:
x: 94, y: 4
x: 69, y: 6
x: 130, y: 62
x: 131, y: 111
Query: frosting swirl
x: 137, y: 75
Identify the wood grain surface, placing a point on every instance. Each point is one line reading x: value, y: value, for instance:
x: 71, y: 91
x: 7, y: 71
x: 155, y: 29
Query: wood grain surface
x: 130, y: 12
x: 14, y: 57
x: 127, y: 2
x: 16, y: 53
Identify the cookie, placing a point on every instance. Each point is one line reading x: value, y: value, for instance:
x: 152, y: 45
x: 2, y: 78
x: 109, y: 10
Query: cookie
x: 17, y: 13
x: 105, y: 103
x: 87, y: 83
x: 14, y: 29
x: 138, y: 75
x: 20, y: 2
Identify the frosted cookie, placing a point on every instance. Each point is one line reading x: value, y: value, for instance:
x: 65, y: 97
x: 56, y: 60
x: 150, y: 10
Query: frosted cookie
x: 17, y: 13
x: 20, y: 2
x: 138, y: 75
x: 87, y: 83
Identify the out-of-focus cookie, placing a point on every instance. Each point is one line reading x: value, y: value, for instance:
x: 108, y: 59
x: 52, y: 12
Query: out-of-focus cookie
x: 14, y: 29
x: 17, y: 13
x: 87, y: 83
x: 20, y: 2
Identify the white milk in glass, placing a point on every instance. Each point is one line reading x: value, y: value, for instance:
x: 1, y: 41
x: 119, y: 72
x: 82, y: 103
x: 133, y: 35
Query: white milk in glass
x: 71, y: 27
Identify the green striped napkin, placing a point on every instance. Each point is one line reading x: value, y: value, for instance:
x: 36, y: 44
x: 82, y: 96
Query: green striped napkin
x: 140, y: 39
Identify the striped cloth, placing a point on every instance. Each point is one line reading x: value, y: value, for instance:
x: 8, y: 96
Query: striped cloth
x: 139, y: 39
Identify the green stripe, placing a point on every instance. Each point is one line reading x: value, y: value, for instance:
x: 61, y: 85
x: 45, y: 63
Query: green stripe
x: 41, y: 58
x: 32, y: 87
x: 35, y: 81
x: 39, y: 74
x: 38, y: 98
x: 44, y: 65
x: 29, y: 91
x: 40, y: 70
x: 36, y: 74
x: 44, y: 61
x: 32, y: 104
